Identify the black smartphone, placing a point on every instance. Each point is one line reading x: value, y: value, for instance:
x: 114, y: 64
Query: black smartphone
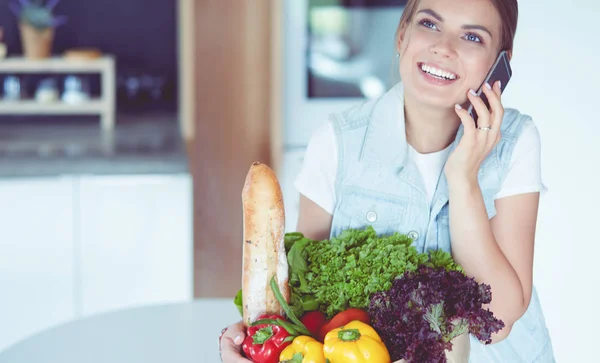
x: 500, y: 71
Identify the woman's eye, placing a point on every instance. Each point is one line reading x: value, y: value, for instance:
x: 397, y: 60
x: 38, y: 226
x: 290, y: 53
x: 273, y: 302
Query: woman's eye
x: 473, y: 38
x: 428, y: 24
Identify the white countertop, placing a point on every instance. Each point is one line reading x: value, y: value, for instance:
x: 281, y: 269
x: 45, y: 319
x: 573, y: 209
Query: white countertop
x: 181, y: 333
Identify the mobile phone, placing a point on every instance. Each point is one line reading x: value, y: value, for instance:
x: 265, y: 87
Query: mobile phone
x: 500, y: 71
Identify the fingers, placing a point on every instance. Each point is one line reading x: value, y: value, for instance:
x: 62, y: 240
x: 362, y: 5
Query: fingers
x: 474, y: 139
x: 483, y: 114
x: 496, y: 108
x: 231, y: 352
x: 235, y: 332
x: 497, y: 113
x: 231, y: 344
x: 498, y: 89
x: 466, y: 120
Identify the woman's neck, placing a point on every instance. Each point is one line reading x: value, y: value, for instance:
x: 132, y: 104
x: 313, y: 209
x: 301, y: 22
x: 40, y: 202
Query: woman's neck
x: 429, y: 129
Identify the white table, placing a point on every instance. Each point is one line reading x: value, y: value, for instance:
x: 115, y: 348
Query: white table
x: 181, y: 333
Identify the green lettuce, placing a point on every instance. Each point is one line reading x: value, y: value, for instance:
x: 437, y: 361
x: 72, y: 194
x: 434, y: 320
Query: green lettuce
x: 301, y: 297
x: 337, y: 274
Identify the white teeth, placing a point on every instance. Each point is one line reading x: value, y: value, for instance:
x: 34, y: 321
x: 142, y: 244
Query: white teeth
x: 437, y: 72
x: 449, y: 75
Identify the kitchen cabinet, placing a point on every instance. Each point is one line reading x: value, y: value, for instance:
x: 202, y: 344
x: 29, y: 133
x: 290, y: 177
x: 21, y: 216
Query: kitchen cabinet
x: 36, y: 256
x: 136, y: 241
x: 76, y: 245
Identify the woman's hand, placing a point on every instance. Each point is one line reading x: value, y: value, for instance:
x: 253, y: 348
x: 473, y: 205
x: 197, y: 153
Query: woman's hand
x: 476, y: 142
x: 230, y: 344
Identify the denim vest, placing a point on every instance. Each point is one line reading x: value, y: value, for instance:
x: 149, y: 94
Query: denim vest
x: 378, y: 185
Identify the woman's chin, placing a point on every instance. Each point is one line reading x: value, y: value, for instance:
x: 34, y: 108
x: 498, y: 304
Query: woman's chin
x: 431, y: 96
x: 432, y: 102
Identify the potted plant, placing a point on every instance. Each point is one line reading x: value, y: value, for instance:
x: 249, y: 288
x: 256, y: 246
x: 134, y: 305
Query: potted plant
x: 2, y: 45
x: 37, y: 23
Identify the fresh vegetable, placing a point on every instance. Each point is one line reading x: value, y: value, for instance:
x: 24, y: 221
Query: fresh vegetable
x: 238, y: 302
x: 304, y: 349
x: 286, y: 308
x: 356, y: 342
x: 270, y: 334
x: 301, y: 298
x: 425, y: 309
x: 265, y: 342
x: 302, y: 302
x: 291, y: 238
x: 341, y: 273
x: 442, y: 259
x: 343, y: 318
x: 314, y: 321
x: 295, y: 327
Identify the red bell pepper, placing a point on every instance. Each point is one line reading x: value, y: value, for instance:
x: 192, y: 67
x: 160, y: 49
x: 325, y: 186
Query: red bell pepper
x: 342, y: 318
x: 264, y: 342
x: 314, y: 321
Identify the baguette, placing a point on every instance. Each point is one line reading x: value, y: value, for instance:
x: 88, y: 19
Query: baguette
x: 264, y: 249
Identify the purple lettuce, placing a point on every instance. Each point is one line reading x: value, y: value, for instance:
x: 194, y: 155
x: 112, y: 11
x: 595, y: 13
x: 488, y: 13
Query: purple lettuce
x: 424, y: 310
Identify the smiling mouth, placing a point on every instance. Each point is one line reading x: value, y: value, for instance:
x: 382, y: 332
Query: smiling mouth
x: 438, y: 73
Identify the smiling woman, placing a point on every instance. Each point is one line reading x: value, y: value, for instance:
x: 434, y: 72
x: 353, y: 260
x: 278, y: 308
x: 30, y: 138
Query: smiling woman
x: 415, y: 151
x: 456, y: 40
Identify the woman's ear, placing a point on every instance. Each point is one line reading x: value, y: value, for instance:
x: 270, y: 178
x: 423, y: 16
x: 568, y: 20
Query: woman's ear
x: 509, y: 54
x: 400, y: 39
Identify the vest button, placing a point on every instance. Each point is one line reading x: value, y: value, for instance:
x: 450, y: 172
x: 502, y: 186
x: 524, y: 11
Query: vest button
x: 414, y: 235
x: 371, y: 216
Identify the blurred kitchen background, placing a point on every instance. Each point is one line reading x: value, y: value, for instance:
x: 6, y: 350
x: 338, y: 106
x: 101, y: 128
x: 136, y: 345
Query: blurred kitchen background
x: 96, y: 181
x: 123, y: 152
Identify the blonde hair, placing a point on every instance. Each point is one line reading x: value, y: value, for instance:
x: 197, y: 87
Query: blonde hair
x: 509, y: 15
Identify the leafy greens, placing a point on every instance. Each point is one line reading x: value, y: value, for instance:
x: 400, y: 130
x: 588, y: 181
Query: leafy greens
x: 337, y: 274
x: 425, y: 309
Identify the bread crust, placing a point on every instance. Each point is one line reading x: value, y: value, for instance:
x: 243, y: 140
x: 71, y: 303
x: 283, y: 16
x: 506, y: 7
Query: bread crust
x: 264, y: 249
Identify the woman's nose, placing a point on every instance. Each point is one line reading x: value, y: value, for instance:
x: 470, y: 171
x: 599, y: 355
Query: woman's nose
x: 444, y: 47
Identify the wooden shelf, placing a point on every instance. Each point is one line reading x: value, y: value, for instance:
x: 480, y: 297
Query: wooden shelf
x: 104, y: 106
x: 30, y: 107
x: 55, y: 65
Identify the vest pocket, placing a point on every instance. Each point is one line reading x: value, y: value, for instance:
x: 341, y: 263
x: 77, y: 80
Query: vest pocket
x: 359, y: 209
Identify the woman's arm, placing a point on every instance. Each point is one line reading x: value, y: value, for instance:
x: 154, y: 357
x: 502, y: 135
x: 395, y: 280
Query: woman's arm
x: 313, y: 221
x: 498, y: 252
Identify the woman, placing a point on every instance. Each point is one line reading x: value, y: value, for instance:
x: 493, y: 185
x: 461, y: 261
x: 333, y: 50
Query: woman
x: 414, y: 161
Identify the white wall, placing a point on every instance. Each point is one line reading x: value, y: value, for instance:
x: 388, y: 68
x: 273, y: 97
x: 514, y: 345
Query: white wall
x: 556, y: 80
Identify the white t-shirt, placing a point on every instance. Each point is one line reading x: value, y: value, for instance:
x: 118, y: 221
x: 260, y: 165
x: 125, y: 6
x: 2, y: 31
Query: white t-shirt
x: 316, y: 180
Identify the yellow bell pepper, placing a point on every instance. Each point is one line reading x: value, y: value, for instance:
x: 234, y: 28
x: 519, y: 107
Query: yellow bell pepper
x: 304, y: 349
x: 356, y: 342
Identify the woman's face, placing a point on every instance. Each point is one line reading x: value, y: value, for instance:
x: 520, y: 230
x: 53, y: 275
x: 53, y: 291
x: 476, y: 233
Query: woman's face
x: 448, y: 48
